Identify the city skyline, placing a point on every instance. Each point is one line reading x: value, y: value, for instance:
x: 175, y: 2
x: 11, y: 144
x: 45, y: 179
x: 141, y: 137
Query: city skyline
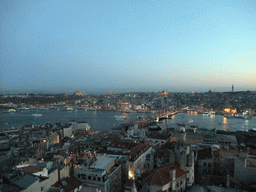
x: 181, y: 46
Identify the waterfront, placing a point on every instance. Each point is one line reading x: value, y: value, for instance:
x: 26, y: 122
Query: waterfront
x: 98, y: 120
x: 210, y: 122
x: 105, y: 120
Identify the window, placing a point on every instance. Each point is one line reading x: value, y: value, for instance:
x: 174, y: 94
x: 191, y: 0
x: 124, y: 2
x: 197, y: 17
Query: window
x: 181, y: 183
x: 42, y: 188
x: 78, y: 175
x: 83, y: 176
x: 99, y: 179
x: 177, y: 185
x: 89, y: 177
x: 204, y: 164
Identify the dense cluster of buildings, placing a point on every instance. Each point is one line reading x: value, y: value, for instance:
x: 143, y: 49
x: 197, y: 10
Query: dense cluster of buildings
x: 136, y: 101
x: 140, y: 157
x: 149, y: 158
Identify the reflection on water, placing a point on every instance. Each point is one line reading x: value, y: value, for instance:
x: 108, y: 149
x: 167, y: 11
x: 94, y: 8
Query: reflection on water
x: 212, y: 121
x: 225, y: 124
x: 104, y: 120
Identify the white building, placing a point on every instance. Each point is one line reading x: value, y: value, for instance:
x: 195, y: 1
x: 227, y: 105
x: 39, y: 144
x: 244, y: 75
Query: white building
x: 80, y: 126
x: 67, y: 131
x: 135, y: 131
x: 103, y: 173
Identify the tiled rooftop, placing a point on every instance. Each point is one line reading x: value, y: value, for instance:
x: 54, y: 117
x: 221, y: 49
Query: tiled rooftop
x: 31, y: 169
x: 68, y: 184
x: 161, y: 176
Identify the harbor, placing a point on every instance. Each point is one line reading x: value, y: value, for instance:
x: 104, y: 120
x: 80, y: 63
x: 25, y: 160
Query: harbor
x: 106, y: 120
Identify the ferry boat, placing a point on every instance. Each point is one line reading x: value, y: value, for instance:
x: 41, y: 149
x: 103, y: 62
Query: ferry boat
x: 68, y: 109
x: 120, y: 117
x: 243, y: 116
x: 37, y: 115
x: 10, y: 111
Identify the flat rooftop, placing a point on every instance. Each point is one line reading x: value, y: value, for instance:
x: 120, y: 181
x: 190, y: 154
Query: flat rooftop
x: 103, y: 161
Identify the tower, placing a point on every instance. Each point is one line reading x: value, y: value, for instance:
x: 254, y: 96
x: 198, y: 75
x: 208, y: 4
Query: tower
x: 164, y: 96
x: 232, y: 88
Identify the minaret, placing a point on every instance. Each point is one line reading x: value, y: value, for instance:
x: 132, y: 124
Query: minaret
x: 232, y: 88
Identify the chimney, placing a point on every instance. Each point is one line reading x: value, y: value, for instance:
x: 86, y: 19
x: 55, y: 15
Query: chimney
x: 228, y: 180
x: 172, y: 172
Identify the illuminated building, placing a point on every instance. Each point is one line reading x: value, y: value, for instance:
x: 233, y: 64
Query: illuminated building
x: 125, y: 106
x: 77, y: 93
x: 137, y: 153
x: 102, y: 171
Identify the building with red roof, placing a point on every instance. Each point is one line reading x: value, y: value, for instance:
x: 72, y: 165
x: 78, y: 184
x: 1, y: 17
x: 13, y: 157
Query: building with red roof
x: 167, y: 178
x: 34, y: 170
x: 68, y: 184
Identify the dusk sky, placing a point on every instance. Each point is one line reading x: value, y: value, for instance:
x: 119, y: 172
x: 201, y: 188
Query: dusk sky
x: 127, y: 45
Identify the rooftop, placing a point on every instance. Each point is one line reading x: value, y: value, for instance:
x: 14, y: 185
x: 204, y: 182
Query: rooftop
x: 161, y: 176
x: 159, y: 136
x: 68, y: 184
x: 103, y: 161
x: 24, y: 181
x: 31, y: 169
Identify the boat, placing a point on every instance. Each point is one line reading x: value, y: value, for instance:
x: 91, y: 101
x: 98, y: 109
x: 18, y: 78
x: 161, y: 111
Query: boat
x: 205, y: 113
x: 23, y: 108
x: 238, y: 116
x: 229, y: 115
x: 211, y: 113
x: 68, y: 109
x: 243, y: 116
x: 10, y: 111
x: 120, y: 117
x: 43, y: 108
x: 37, y: 115
x: 190, y: 121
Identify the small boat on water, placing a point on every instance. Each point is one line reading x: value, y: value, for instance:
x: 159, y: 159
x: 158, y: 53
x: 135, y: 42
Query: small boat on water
x: 205, y: 113
x: 238, y: 116
x: 37, y: 115
x: 68, y: 109
x: 10, y: 111
x: 119, y: 117
x: 190, y: 121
